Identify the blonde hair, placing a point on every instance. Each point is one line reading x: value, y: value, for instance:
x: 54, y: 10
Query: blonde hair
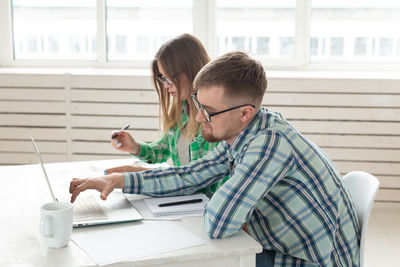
x: 184, y: 54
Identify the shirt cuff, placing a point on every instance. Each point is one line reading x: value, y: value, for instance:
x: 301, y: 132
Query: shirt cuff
x: 143, y: 149
x: 133, y: 183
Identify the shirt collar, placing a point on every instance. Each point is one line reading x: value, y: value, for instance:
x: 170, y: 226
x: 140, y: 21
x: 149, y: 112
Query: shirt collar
x: 250, y: 130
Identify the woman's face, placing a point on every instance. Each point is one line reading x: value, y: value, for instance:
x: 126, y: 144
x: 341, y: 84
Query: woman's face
x: 170, y: 87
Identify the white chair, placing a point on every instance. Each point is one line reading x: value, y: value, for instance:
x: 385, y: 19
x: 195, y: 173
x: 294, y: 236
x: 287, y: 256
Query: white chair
x: 362, y: 187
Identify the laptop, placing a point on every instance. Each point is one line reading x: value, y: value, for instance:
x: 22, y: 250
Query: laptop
x: 90, y: 209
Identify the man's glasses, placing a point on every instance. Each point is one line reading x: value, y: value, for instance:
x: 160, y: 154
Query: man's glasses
x: 208, y: 115
x: 164, y: 80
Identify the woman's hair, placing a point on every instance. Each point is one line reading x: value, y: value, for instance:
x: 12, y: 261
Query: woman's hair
x: 186, y: 55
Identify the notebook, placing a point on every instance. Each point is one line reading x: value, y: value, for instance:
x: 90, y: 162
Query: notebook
x: 90, y: 209
x: 175, y: 205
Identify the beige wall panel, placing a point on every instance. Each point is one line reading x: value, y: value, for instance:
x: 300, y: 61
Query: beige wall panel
x: 32, y: 120
x: 347, y: 127
x: 32, y: 107
x: 113, y: 122
x: 332, y: 100
x: 362, y: 141
x: 111, y: 81
x: 24, y: 133
x: 32, y: 94
x: 104, y: 135
x: 355, y: 120
x: 115, y: 109
x: 392, y: 195
x: 109, y: 95
x: 338, y: 113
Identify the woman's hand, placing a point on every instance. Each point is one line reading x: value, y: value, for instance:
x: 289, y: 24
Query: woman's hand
x: 125, y: 168
x: 123, y: 141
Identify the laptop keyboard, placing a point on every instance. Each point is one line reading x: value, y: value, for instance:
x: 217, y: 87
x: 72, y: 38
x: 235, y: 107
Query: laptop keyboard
x: 88, y: 209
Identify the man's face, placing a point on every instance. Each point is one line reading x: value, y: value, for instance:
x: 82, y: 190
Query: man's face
x: 224, y: 126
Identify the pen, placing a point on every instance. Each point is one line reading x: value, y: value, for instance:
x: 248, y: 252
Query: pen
x: 122, y: 129
x: 190, y: 201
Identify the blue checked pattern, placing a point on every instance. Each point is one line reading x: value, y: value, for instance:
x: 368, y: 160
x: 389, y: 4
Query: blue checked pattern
x: 284, y: 188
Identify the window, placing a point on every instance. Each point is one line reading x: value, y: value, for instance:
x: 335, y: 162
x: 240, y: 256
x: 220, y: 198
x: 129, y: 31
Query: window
x: 263, y: 45
x: 139, y: 27
x: 314, y: 46
x: 257, y: 27
x: 385, y: 46
x: 53, y: 30
x: 360, y: 46
x: 356, y: 31
x: 289, y: 33
x: 337, y: 46
x: 286, y: 46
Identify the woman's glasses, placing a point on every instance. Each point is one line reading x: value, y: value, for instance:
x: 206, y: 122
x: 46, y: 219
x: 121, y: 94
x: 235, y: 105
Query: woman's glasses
x: 164, y: 80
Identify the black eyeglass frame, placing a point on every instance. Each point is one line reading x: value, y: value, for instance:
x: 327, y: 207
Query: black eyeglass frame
x: 208, y: 115
x: 164, y: 80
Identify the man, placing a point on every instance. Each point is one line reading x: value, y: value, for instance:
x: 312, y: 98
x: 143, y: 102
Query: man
x: 283, y: 190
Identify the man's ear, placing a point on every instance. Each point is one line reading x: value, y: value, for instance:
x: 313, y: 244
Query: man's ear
x: 247, y: 114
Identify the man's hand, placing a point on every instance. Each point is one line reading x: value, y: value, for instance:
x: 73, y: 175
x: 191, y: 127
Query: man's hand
x: 125, y: 168
x: 105, y: 185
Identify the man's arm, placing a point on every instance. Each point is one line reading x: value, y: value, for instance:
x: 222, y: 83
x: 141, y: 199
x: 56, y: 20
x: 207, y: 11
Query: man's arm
x: 180, y: 180
x: 160, y: 182
x: 266, y: 161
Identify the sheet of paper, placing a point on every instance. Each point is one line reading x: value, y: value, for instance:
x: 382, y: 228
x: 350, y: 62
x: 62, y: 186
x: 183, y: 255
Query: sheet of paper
x: 111, y: 244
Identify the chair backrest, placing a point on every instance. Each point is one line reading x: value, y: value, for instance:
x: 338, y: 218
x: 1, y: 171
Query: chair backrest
x: 362, y: 187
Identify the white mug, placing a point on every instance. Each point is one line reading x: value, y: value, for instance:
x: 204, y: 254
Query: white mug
x: 56, y: 223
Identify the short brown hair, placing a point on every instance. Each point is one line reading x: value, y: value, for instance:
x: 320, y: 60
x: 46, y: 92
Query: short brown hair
x: 240, y: 76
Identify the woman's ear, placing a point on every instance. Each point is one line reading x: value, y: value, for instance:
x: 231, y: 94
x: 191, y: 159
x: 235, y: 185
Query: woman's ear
x: 247, y: 114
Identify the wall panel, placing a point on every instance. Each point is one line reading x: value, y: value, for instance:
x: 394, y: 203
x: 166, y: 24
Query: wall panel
x: 356, y: 121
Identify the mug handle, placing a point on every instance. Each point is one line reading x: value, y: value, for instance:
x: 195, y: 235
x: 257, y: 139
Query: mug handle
x: 45, y: 226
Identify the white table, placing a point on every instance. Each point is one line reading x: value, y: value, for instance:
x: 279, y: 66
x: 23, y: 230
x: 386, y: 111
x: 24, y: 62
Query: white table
x: 23, y: 191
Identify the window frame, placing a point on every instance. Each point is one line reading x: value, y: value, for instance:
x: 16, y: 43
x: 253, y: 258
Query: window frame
x: 204, y: 27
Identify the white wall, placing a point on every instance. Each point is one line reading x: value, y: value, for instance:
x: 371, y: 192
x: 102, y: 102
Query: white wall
x: 355, y: 120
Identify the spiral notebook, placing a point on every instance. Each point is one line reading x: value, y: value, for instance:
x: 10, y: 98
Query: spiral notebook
x: 177, y: 209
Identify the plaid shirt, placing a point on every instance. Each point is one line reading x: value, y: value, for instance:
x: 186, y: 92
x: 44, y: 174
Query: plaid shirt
x: 282, y: 185
x: 166, y: 147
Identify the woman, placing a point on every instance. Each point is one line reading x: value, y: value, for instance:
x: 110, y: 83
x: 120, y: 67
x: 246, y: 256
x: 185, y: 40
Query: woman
x: 174, y: 68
